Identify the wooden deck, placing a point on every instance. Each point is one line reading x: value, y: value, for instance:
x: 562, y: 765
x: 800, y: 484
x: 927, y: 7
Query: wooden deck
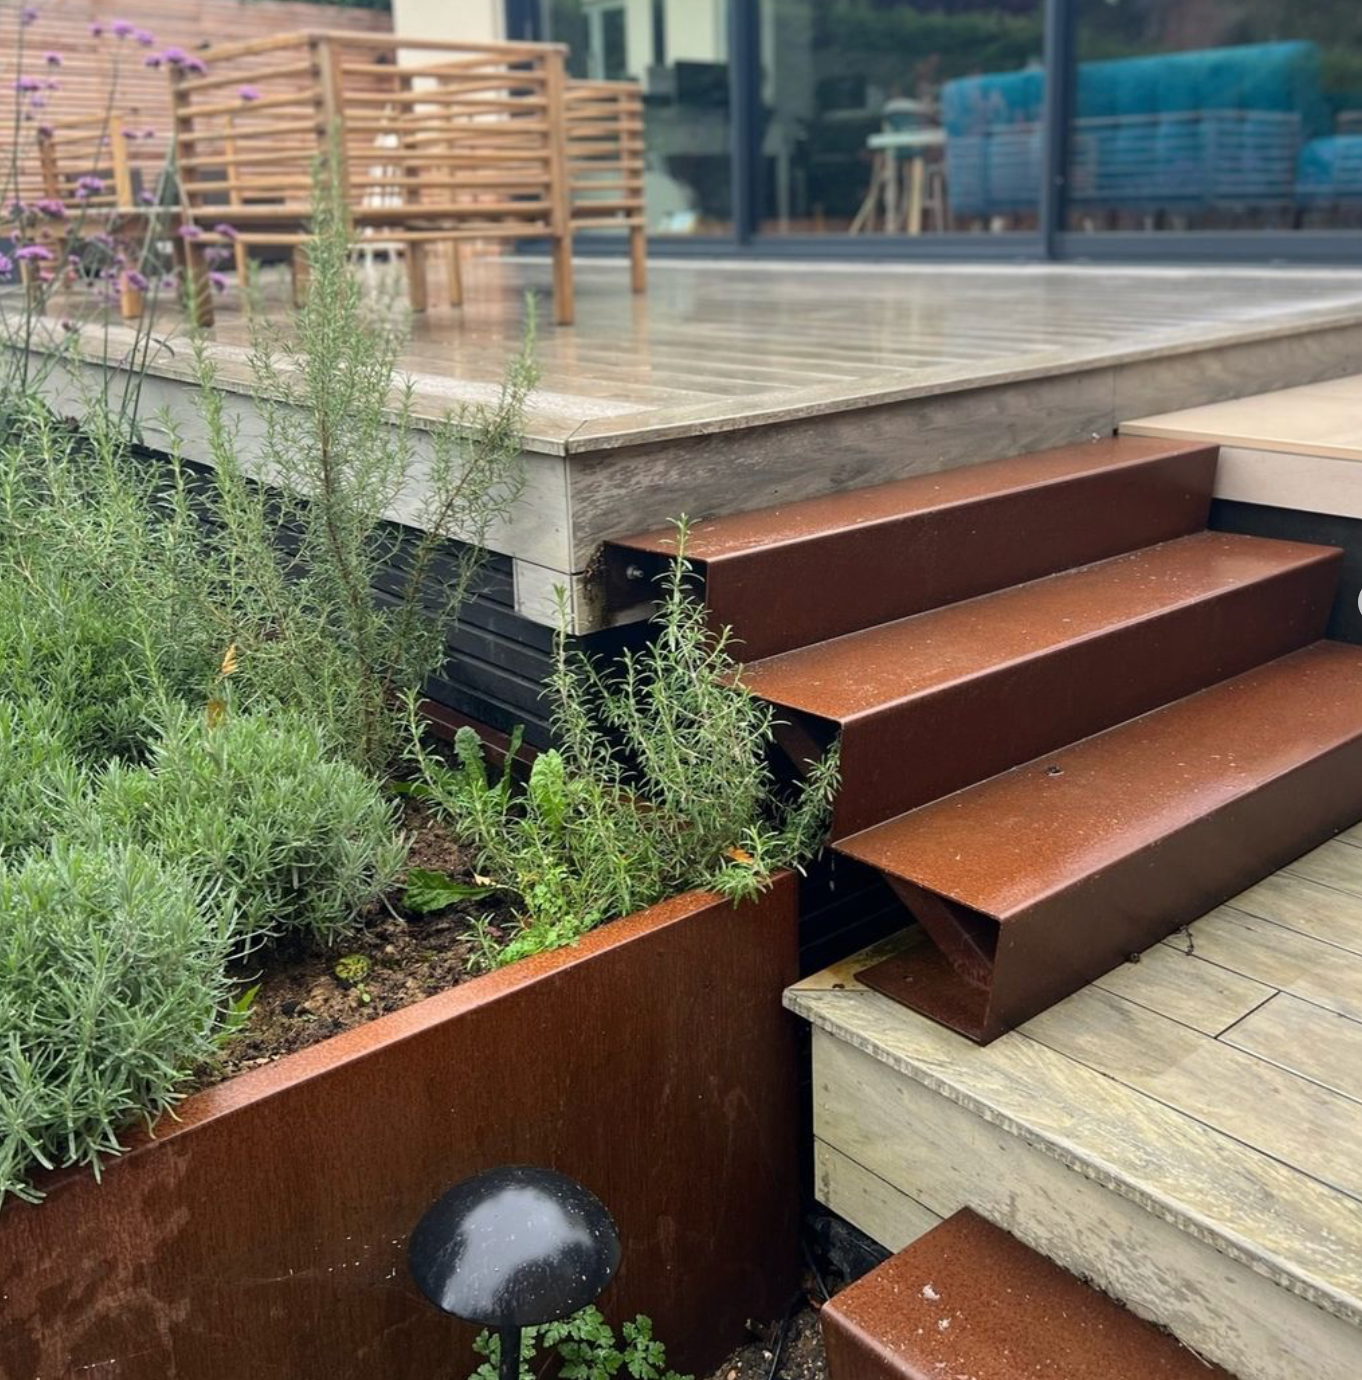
x: 1295, y: 448
x: 1186, y: 1132
x: 735, y: 385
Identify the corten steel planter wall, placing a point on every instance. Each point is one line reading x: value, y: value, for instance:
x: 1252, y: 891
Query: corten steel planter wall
x: 263, y: 1235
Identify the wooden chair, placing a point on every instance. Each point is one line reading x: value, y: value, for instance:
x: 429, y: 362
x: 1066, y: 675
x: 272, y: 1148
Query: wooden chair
x: 604, y: 133
x: 106, y: 176
x: 439, y: 143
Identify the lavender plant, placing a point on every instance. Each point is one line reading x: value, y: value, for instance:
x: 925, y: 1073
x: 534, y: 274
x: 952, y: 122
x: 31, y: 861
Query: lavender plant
x: 113, y: 987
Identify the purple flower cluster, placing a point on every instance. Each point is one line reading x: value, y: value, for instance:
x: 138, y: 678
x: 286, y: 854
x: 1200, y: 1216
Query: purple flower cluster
x: 89, y: 185
x: 6, y: 267
x: 50, y: 207
x: 177, y: 57
x: 34, y: 253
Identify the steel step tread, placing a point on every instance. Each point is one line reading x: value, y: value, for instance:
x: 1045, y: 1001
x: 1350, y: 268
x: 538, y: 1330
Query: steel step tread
x: 733, y: 535
x: 1007, y: 844
x: 865, y: 672
x: 966, y: 1299
x: 805, y: 571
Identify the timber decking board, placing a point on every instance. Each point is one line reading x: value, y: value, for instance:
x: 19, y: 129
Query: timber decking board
x: 1315, y: 1043
x: 1239, y: 1123
x: 1312, y: 1129
x: 1298, y: 904
x: 1199, y: 994
x: 720, y: 343
x: 1312, y: 969
x: 1336, y: 864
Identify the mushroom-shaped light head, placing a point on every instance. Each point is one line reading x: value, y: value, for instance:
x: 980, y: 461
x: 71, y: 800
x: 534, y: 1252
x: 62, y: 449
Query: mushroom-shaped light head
x: 514, y: 1247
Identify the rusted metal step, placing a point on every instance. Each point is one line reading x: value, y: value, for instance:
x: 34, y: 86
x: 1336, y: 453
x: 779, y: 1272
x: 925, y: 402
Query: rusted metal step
x: 803, y: 572
x: 967, y: 1299
x: 932, y: 703
x: 1040, y: 879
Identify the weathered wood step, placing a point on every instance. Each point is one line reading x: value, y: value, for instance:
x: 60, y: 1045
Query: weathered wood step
x: 1038, y: 880
x: 803, y: 572
x: 932, y: 703
x: 967, y: 1299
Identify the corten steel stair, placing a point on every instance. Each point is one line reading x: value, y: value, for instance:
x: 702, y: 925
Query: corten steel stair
x: 1071, y: 718
x: 967, y: 1299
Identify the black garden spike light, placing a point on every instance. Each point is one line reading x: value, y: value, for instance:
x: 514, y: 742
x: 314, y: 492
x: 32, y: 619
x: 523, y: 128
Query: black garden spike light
x: 512, y: 1248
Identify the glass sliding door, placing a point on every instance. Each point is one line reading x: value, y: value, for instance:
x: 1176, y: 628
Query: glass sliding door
x: 1219, y: 115
x: 899, y: 117
x: 678, y: 50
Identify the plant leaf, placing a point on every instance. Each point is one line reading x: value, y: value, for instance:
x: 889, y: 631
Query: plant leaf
x: 428, y: 891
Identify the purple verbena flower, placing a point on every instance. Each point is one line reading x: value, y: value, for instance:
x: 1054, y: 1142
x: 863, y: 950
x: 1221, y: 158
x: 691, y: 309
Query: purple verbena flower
x: 153, y: 60
x: 103, y: 241
x: 248, y: 93
x: 174, y: 54
x: 120, y: 28
x: 6, y: 266
x: 51, y: 207
x: 228, y: 232
x: 52, y: 59
x: 218, y: 282
x: 146, y: 198
x: 28, y: 84
x: 37, y: 102
x: 34, y: 253
x: 135, y: 280
x: 45, y: 131
x: 145, y: 37
x: 27, y: 15
x: 189, y: 232
x: 148, y: 133
x: 96, y: 30
x: 89, y: 185
x: 195, y: 65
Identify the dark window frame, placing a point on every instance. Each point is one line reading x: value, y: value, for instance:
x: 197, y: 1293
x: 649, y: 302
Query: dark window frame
x: 1050, y: 242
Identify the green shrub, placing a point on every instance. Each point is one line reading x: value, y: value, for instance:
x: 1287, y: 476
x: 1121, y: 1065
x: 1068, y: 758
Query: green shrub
x: 66, y: 644
x: 111, y: 988
x: 301, y: 840
x: 99, y: 565
x: 581, y: 1347
x: 38, y: 778
x: 662, y: 783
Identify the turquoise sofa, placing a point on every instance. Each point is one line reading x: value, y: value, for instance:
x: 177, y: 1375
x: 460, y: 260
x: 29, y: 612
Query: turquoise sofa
x: 1242, y: 129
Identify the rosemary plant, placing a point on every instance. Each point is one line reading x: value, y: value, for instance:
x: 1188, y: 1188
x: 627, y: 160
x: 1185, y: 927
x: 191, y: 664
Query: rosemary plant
x: 662, y: 782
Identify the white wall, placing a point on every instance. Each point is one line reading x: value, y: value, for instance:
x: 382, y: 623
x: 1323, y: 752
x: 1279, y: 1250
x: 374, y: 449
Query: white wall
x: 464, y: 20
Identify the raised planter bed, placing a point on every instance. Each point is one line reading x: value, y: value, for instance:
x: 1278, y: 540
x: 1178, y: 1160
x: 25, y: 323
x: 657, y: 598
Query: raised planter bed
x: 263, y: 1232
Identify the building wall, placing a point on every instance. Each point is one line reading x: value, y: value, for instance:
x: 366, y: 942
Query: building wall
x: 467, y: 20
